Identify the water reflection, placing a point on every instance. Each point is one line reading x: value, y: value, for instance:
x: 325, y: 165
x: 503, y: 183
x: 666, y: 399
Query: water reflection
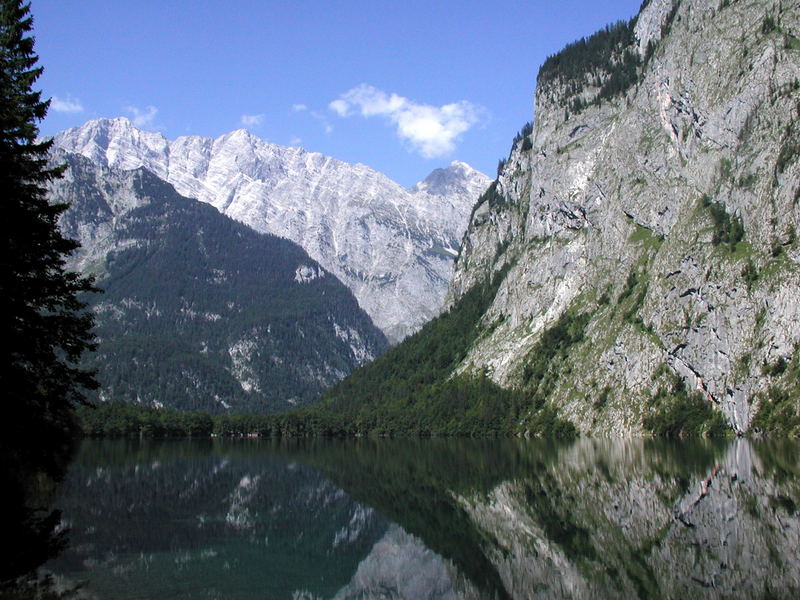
x: 435, y: 519
x: 209, y: 520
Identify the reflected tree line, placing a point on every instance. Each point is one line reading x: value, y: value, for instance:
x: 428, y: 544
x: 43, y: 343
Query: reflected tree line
x: 592, y: 518
x: 231, y: 518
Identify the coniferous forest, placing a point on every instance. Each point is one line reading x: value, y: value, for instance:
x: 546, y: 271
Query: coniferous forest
x: 200, y: 312
x: 47, y: 326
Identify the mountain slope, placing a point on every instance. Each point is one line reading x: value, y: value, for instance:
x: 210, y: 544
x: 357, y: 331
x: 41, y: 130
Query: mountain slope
x: 391, y: 246
x: 643, y: 232
x: 199, y: 311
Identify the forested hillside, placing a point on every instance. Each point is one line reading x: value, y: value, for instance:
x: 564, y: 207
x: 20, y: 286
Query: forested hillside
x: 200, y: 312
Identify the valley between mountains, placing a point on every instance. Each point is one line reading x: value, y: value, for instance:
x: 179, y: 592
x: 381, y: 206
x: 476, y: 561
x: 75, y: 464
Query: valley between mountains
x: 273, y: 275
x: 633, y: 269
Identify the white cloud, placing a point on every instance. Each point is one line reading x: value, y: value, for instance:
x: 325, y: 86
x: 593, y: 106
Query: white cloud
x: 430, y: 130
x: 340, y: 107
x: 143, y: 118
x: 296, y: 141
x: 252, y: 120
x: 70, y: 105
x: 299, y: 107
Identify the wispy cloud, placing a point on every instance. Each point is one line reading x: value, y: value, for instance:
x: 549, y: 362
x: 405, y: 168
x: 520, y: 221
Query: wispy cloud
x: 430, y: 130
x: 143, y: 118
x: 296, y: 141
x: 252, y: 120
x: 319, y: 117
x: 68, y: 105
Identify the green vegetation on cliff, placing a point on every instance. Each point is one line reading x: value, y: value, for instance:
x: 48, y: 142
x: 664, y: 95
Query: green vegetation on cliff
x: 408, y: 391
x: 677, y: 413
x: 606, y: 64
x: 779, y: 410
x: 411, y: 388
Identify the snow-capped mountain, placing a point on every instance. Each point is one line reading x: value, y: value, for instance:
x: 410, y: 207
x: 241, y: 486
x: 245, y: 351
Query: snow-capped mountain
x: 393, y: 247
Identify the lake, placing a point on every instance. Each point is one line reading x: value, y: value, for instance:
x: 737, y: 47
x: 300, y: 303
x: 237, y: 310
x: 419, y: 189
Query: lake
x: 433, y: 518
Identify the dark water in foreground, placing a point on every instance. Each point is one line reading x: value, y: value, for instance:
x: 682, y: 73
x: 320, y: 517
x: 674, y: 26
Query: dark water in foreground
x: 433, y: 519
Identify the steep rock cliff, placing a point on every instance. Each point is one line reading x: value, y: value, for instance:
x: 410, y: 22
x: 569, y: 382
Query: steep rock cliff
x: 653, y: 209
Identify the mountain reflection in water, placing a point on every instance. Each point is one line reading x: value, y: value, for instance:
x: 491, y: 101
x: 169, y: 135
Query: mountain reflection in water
x: 433, y: 519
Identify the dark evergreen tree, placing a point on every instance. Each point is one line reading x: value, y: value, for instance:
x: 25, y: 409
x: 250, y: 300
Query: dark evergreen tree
x: 46, y: 328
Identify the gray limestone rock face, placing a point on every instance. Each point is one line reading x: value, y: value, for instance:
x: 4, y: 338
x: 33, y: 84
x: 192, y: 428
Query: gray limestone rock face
x: 669, y: 213
x: 393, y: 247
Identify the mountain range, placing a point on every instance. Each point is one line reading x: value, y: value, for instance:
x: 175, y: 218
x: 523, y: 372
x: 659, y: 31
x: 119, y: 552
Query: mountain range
x: 393, y: 247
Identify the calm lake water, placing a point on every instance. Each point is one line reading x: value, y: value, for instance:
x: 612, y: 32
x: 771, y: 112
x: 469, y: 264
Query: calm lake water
x: 433, y: 519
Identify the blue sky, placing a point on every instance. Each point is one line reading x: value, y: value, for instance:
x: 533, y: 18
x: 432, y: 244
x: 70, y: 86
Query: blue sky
x: 403, y: 87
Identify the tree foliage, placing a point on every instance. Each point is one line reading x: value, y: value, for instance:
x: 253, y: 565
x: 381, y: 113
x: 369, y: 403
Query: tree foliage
x: 779, y: 409
x: 45, y: 329
x: 600, y: 67
x: 412, y: 388
x: 606, y: 61
x: 675, y: 412
x: 728, y: 229
x: 118, y: 420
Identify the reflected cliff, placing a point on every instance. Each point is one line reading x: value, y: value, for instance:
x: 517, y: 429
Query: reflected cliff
x: 594, y: 519
x: 434, y: 519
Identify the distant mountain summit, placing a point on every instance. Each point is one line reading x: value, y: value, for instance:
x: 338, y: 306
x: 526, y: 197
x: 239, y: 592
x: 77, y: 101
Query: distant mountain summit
x: 393, y: 247
x: 459, y: 179
x: 200, y: 312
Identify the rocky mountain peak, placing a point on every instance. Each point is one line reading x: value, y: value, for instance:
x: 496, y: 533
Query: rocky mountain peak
x: 391, y: 246
x: 457, y: 178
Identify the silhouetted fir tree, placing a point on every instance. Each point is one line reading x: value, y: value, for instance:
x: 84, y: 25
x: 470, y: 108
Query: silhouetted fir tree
x: 45, y: 328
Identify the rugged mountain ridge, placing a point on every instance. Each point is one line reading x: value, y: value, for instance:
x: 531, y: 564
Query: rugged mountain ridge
x: 391, y: 246
x: 652, y: 212
x: 634, y: 267
x: 200, y: 312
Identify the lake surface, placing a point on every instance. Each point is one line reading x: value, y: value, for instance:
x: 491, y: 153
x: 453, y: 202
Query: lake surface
x: 433, y: 519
